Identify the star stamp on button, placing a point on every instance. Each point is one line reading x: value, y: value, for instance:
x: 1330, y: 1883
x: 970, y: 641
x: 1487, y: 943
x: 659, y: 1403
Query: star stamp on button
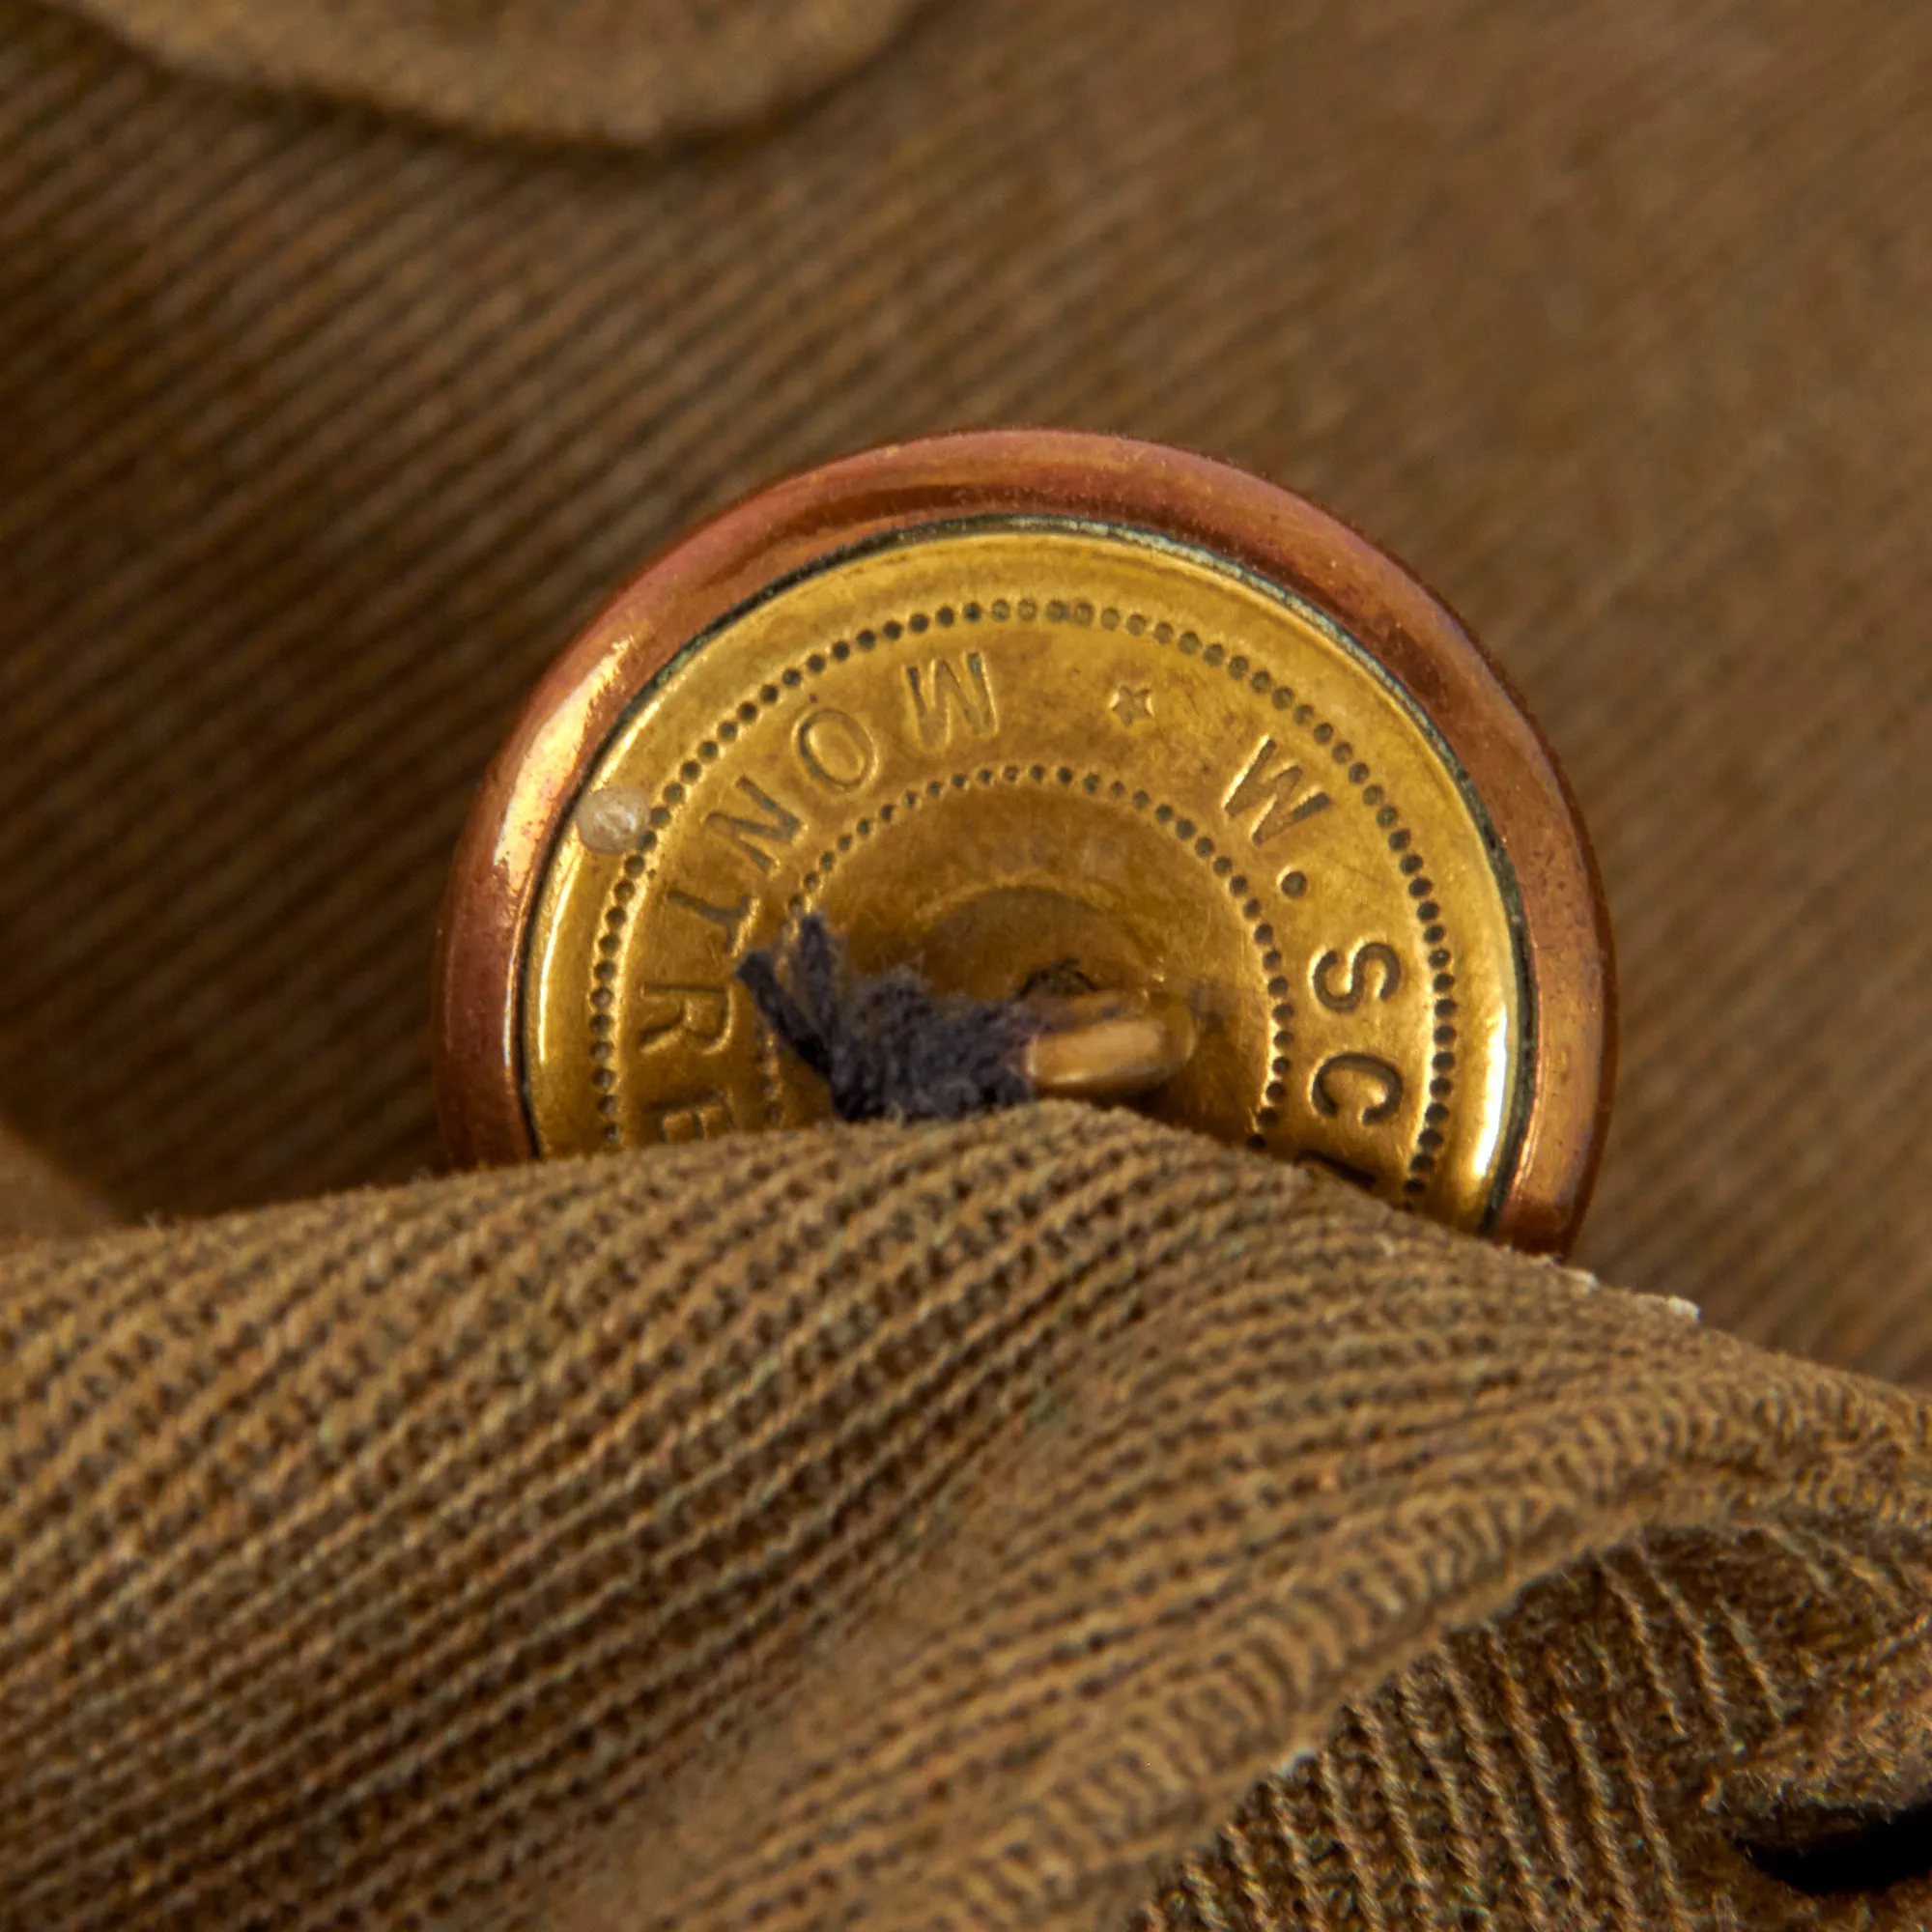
x: 1052, y: 718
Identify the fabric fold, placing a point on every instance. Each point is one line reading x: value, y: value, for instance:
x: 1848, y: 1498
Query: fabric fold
x: 626, y: 72
x: 1024, y: 1522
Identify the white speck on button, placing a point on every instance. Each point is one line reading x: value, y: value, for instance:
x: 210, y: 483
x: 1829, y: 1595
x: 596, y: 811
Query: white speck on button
x: 612, y: 820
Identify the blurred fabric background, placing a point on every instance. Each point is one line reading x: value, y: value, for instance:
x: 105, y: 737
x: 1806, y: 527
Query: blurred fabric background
x: 339, y: 391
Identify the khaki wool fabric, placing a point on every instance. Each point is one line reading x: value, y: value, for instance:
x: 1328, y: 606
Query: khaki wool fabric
x: 1048, y: 1521
x: 963, y: 1527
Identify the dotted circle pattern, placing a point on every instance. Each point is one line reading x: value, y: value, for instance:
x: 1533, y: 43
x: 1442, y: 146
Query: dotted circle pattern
x: 1081, y: 614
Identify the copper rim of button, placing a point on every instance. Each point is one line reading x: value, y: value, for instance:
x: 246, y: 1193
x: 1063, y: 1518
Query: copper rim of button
x: 1545, y: 884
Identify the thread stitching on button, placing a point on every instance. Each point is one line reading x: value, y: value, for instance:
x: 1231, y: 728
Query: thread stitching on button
x: 1095, y: 784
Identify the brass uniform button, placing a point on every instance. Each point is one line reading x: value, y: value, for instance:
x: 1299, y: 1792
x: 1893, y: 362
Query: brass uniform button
x: 1057, y: 717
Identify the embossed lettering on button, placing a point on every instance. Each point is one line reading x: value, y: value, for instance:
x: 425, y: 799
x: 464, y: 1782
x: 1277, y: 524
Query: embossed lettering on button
x: 1026, y: 707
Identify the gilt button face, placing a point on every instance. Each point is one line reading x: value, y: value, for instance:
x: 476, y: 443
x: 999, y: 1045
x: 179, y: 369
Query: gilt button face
x: 1029, y: 710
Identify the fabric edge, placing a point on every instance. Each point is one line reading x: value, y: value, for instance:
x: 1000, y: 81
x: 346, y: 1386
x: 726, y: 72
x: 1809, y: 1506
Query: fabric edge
x: 517, y: 86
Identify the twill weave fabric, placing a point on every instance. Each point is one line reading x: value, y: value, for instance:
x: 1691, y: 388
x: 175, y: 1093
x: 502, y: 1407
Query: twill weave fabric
x: 1047, y: 1520
x: 937, y: 1526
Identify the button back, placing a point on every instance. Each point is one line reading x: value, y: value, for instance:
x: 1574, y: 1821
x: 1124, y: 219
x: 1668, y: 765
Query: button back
x: 1036, y: 708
